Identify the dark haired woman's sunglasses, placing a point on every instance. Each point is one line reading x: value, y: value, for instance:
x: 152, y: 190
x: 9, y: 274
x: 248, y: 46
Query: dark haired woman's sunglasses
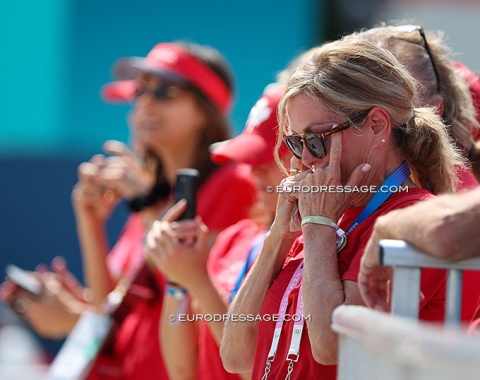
x: 315, y: 141
x: 162, y: 92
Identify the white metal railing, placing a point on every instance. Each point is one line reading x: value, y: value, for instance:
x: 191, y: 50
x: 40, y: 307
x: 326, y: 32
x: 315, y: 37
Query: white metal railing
x: 407, y: 263
x: 378, y: 346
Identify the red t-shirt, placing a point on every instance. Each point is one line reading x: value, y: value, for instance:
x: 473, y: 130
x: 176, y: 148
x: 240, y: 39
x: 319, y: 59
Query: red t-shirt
x: 225, y: 262
x: 432, y: 286
x: 223, y: 199
x: 471, y: 278
x: 466, y: 179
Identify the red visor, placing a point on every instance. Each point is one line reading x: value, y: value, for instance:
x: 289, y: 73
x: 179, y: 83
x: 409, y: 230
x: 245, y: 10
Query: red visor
x: 118, y: 92
x: 174, y: 62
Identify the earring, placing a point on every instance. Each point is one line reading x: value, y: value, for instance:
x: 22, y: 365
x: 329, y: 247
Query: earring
x: 383, y: 140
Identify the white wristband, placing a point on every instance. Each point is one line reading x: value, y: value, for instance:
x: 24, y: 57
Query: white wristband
x: 323, y: 220
x: 319, y: 220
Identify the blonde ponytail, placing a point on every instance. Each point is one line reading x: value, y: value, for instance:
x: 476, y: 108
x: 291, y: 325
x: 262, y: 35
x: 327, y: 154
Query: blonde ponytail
x: 424, y: 143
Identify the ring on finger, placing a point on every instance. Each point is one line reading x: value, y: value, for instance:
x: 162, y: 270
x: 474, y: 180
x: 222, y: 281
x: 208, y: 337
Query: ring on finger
x: 293, y: 171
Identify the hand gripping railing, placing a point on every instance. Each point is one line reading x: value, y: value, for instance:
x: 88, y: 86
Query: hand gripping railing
x: 407, y: 262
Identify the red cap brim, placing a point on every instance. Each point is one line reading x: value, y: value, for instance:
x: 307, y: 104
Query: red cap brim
x: 119, y: 91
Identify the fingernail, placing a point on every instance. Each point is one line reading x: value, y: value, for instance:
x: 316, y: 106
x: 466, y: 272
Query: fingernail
x: 366, y: 168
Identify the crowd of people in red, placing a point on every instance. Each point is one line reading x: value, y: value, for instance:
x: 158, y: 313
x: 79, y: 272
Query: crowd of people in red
x: 247, y: 288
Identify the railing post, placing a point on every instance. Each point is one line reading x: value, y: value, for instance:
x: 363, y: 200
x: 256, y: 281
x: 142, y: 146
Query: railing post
x: 407, y: 262
x: 405, y: 292
x: 453, y: 306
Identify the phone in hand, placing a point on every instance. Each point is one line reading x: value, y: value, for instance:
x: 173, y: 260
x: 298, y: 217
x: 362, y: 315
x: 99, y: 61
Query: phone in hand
x: 186, y: 186
x: 25, y: 280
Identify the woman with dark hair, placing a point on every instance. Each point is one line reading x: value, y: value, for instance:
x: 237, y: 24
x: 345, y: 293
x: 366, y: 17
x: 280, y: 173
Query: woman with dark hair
x: 181, y: 94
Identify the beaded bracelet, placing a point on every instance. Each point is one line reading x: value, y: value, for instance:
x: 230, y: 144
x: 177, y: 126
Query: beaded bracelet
x: 176, y: 290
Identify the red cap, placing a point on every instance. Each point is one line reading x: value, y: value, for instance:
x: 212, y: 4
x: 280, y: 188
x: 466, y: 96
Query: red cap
x: 474, y: 86
x: 256, y: 144
x: 174, y: 63
x: 119, y: 91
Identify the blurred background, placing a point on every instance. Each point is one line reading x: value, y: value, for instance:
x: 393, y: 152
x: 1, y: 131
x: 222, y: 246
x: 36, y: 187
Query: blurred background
x: 56, y: 55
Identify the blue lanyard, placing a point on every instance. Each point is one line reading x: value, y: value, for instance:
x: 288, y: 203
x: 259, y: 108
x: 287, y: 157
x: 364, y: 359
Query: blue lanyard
x: 252, y: 255
x: 395, y: 179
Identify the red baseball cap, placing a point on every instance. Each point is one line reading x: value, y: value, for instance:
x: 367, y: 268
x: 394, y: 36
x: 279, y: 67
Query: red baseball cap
x: 174, y: 63
x: 256, y: 144
x: 474, y: 86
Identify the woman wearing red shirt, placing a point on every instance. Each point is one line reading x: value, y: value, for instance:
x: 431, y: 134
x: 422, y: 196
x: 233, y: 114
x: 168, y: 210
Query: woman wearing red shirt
x: 181, y: 94
x: 348, y: 116
x: 211, y: 279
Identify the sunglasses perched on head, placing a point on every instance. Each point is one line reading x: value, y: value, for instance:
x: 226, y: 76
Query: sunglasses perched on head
x: 315, y: 141
x: 419, y: 29
x: 162, y: 92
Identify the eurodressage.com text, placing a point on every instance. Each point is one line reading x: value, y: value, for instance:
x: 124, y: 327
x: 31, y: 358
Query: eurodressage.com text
x: 339, y: 189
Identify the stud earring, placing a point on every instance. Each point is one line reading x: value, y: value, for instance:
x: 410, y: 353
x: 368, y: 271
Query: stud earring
x: 383, y: 140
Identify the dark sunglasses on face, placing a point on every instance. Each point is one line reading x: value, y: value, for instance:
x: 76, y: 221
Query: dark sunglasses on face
x: 315, y: 141
x: 161, y: 92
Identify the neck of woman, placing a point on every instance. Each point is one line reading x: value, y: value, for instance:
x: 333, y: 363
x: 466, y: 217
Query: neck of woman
x: 374, y: 180
x: 174, y: 158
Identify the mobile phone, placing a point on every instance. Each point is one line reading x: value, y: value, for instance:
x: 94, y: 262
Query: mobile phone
x: 25, y: 280
x: 186, y: 186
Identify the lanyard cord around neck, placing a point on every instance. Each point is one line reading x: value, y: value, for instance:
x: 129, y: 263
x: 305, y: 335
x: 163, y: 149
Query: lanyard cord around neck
x: 252, y: 255
x: 399, y: 176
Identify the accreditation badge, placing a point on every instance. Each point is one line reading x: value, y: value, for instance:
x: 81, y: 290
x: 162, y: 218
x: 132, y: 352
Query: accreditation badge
x: 75, y: 358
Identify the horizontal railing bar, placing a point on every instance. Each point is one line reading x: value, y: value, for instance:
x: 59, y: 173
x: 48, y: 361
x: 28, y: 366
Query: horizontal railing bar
x: 400, y: 253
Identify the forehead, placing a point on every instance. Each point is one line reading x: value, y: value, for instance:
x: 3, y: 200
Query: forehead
x: 305, y: 113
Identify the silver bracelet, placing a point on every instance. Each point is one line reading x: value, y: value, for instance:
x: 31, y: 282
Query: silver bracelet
x: 316, y: 219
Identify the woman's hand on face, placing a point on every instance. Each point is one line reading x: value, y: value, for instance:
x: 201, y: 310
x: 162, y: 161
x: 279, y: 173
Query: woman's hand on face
x: 286, y: 213
x: 325, y: 203
x: 123, y: 173
x: 180, y: 249
x: 89, y: 197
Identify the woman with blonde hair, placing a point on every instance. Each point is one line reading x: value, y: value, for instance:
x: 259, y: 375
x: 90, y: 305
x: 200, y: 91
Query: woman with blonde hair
x: 349, y: 119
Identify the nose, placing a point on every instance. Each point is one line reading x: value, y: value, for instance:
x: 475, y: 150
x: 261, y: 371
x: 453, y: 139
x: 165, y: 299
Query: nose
x: 145, y: 99
x: 308, y: 159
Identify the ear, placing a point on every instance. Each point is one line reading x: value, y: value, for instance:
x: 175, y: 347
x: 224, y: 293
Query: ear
x: 378, y: 122
x: 438, y: 103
